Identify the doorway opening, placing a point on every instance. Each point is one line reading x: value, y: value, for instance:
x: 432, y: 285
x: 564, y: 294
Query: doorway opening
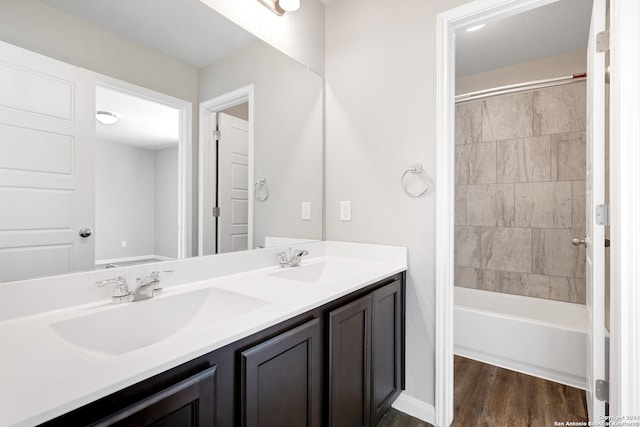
x: 142, y: 182
x: 484, y: 210
x: 226, y: 166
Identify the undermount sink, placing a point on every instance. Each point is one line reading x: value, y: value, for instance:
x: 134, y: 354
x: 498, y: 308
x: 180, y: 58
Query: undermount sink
x: 323, y: 273
x: 121, y: 329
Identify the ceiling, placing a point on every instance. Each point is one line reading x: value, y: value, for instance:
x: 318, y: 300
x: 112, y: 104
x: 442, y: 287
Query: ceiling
x: 141, y: 123
x: 550, y: 30
x: 186, y: 30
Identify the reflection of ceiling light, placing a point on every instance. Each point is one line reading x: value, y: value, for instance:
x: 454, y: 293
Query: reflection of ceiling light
x: 106, y: 117
x: 475, y: 27
x: 290, y: 5
x: 280, y: 6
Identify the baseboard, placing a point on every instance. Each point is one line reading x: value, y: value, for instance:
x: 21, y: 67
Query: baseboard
x: 416, y: 408
x: 524, y: 368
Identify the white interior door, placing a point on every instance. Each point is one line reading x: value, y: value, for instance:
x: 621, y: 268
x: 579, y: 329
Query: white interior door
x: 47, y: 143
x: 595, y: 196
x: 233, y: 183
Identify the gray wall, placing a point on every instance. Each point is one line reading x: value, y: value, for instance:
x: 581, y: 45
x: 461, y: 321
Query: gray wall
x: 299, y: 34
x: 288, y: 135
x: 136, y: 201
x: 520, y: 193
x: 166, y: 202
x: 380, y: 119
x: 124, y: 201
x: 38, y: 27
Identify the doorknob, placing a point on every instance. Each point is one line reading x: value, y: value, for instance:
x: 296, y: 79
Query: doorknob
x: 576, y: 241
x: 85, y: 232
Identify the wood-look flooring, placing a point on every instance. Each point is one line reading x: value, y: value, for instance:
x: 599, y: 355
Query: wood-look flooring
x: 488, y: 396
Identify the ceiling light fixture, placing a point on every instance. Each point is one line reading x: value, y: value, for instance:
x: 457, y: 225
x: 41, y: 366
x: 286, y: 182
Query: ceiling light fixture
x: 106, y: 117
x: 290, y: 5
x: 279, y: 7
x: 475, y: 27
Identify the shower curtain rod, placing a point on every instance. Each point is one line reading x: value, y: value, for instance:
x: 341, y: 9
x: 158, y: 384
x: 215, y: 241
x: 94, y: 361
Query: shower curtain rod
x: 519, y: 87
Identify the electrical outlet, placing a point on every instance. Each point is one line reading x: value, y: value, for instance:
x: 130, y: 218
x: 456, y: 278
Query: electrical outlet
x: 305, y: 211
x: 345, y: 210
x: 124, y: 243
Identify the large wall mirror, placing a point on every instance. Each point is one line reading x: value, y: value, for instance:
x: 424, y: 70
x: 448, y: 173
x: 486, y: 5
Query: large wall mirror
x: 216, y: 145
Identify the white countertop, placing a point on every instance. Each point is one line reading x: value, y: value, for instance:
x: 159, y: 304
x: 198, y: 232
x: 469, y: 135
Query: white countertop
x: 43, y: 376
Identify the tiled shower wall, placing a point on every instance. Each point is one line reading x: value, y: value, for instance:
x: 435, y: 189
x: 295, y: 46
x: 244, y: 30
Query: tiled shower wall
x: 520, y: 193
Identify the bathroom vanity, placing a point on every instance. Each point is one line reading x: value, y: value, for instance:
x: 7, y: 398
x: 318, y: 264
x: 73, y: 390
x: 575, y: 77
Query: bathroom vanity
x: 320, y: 344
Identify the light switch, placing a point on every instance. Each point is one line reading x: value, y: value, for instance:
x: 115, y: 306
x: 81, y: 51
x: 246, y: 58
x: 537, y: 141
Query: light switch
x: 305, y: 211
x: 345, y: 210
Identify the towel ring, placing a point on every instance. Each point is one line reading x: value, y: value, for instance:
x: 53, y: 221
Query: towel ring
x: 415, y: 170
x: 261, y: 190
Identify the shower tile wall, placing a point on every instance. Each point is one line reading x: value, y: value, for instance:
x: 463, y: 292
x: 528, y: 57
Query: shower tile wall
x: 520, y: 193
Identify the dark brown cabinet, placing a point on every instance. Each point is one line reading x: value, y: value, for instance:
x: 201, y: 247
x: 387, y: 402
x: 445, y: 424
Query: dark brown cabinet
x: 386, y: 348
x: 365, y: 352
x: 281, y: 379
x: 350, y: 364
x: 190, y: 403
x: 340, y: 364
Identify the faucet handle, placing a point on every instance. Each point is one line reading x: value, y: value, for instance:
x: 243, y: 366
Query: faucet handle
x: 283, y: 259
x: 121, y: 291
x: 155, y: 279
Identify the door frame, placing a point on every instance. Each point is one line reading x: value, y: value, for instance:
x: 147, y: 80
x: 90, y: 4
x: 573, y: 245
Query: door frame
x: 208, y: 109
x: 185, y: 181
x: 625, y: 201
x: 624, y: 155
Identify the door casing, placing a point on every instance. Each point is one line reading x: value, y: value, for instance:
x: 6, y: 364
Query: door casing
x: 473, y: 13
x: 206, y: 179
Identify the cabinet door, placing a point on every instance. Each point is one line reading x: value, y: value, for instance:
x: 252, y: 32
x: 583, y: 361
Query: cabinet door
x: 281, y: 380
x: 190, y: 403
x: 386, y: 346
x: 349, y: 364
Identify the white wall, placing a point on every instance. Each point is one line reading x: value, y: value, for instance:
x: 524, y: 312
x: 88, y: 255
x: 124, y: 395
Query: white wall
x: 288, y: 135
x: 299, y: 34
x: 547, y: 68
x: 380, y: 118
x: 125, y: 196
x: 166, y: 202
x: 38, y: 27
x: 136, y: 201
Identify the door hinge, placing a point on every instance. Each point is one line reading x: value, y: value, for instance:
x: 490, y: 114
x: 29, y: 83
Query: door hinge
x: 216, y: 135
x: 602, y: 41
x: 215, y: 212
x: 602, y: 214
x: 602, y: 390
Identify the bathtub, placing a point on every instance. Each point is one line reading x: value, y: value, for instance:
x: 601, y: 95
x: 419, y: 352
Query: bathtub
x: 534, y: 336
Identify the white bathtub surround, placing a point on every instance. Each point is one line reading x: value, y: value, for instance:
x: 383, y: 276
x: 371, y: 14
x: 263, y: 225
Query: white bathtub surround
x: 544, y: 338
x: 44, y: 375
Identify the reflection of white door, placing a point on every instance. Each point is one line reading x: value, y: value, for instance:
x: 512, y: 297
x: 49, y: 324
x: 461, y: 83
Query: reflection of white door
x: 595, y: 196
x: 47, y: 143
x: 233, y: 180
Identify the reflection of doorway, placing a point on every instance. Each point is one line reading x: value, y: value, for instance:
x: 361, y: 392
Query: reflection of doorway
x: 226, y: 173
x: 139, y: 177
x: 233, y: 179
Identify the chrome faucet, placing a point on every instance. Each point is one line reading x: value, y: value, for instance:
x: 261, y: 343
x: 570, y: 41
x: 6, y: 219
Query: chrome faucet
x: 149, y: 286
x: 146, y: 287
x: 122, y: 293
x: 292, y: 259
